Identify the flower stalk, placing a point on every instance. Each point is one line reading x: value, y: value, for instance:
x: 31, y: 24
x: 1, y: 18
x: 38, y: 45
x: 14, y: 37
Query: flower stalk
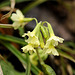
x: 6, y: 26
x: 40, y: 60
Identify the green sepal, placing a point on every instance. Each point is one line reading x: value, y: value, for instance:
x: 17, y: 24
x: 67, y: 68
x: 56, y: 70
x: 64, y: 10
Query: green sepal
x: 37, y: 28
x: 50, y: 29
x: 43, y: 32
x: 47, y: 32
x: 41, y: 40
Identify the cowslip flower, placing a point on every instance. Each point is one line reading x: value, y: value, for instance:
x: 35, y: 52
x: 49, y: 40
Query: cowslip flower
x: 28, y: 48
x: 49, y: 47
x: 52, y: 42
x: 33, y: 39
x: 18, y: 19
x: 50, y: 50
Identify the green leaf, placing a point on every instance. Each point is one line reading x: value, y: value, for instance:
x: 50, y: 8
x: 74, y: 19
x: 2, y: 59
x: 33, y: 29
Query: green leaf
x: 28, y: 64
x: 48, y: 70
x: 19, y: 55
x: 65, y: 48
x: 8, y: 69
x: 64, y: 54
x: 12, y: 39
x: 70, y: 43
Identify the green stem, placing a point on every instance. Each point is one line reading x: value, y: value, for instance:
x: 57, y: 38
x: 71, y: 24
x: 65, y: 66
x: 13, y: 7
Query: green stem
x: 6, y: 26
x: 65, y: 48
x: 40, y: 60
x: 51, y: 32
x: 28, y: 64
x: 30, y: 19
x: 35, y: 20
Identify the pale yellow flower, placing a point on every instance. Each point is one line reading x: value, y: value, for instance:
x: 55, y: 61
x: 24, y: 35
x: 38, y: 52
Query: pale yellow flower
x: 33, y: 39
x: 50, y: 50
x: 28, y: 48
x: 18, y: 19
x: 51, y: 43
x: 53, y: 40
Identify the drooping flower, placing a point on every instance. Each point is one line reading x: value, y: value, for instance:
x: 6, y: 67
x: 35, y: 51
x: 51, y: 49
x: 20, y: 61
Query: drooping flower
x: 18, y: 19
x: 53, y: 40
x: 28, y: 48
x: 33, y: 39
x: 49, y: 47
x: 50, y: 50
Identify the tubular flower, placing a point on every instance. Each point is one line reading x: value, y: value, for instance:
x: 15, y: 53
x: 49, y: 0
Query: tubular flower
x: 53, y: 40
x: 28, y: 48
x: 33, y: 39
x: 51, y: 43
x: 18, y: 19
x: 51, y: 50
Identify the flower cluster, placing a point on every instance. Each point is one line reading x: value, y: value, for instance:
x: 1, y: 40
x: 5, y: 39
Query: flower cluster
x: 38, y: 38
x: 33, y: 41
x: 52, y: 42
x: 41, y: 37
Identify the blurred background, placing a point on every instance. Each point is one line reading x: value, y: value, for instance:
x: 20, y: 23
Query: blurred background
x: 60, y: 14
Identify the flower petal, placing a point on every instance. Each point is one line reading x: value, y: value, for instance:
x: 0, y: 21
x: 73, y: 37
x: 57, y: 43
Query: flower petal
x: 28, y: 48
x: 33, y: 39
x: 14, y: 17
x: 54, y: 41
x: 16, y: 25
x: 54, y: 52
x: 51, y: 50
x: 19, y: 14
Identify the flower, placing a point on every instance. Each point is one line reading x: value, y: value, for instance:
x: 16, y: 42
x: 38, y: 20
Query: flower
x: 28, y: 48
x: 18, y: 19
x: 33, y: 39
x: 53, y: 40
x: 50, y: 50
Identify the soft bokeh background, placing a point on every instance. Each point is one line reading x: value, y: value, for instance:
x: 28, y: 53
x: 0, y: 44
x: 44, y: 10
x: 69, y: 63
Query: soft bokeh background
x: 60, y: 14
